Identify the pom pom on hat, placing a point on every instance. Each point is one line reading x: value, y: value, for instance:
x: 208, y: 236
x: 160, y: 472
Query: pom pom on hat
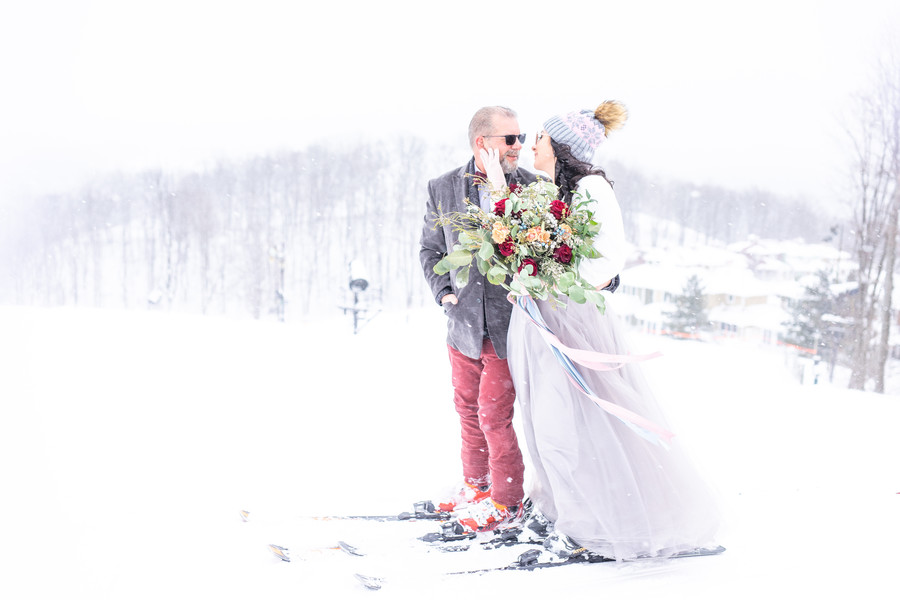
x: 584, y: 130
x: 612, y: 114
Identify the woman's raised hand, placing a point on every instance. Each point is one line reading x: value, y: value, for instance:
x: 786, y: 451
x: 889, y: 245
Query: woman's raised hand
x: 490, y: 158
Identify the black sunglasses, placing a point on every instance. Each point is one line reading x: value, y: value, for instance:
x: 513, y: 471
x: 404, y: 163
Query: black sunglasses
x: 511, y: 138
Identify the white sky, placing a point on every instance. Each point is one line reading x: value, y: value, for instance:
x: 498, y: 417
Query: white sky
x: 736, y: 95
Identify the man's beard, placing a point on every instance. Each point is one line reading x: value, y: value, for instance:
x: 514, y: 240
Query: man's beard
x: 507, y: 166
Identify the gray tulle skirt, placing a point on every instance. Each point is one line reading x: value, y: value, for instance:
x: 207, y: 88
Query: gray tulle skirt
x: 598, y: 481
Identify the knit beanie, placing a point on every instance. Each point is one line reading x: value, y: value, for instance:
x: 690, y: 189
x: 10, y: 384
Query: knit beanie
x: 583, y: 131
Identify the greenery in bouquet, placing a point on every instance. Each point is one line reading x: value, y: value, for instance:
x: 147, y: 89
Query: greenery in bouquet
x: 530, y: 243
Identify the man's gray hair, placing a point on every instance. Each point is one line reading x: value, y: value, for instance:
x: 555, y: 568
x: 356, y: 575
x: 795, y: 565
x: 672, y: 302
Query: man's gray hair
x: 482, y: 122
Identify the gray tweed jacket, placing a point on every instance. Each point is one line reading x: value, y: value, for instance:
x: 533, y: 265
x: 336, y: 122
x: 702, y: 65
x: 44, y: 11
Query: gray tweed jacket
x: 483, y: 310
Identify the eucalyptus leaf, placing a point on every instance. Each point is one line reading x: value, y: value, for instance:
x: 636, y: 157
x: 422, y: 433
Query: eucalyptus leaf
x: 462, y: 276
x: 496, y: 275
x: 566, y: 281
x: 527, y: 282
x: 576, y: 293
x: 516, y: 286
x: 442, y: 267
x: 595, y: 298
x: 466, y: 238
x: 486, y: 251
x: 539, y: 292
x: 459, y: 258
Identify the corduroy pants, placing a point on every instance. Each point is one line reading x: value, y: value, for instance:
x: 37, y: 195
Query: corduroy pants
x: 484, y: 399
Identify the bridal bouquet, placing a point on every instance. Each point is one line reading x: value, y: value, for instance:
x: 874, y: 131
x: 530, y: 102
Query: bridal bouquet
x: 530, y: 243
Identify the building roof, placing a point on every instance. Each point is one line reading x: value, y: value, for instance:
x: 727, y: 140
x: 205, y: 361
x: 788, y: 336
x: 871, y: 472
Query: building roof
x: 761, y: 316
x: 730, y: 280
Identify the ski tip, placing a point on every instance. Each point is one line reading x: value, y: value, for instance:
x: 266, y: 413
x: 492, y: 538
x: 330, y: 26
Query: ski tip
x: 280, y: 552
x: 352, y: 550
x: 711, y: 551
x: 245, y: 515
x: 372, y: 583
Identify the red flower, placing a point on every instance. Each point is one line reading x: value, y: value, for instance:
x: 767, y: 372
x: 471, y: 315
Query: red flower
x: 500, y: 207
x: 559, y: 209
x: 514, y: 188
x: 508, y: 248
x: 563, y: 254
x: 529, y: 262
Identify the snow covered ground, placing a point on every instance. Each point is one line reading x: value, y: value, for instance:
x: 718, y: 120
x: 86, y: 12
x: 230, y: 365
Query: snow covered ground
x: 132, y: 441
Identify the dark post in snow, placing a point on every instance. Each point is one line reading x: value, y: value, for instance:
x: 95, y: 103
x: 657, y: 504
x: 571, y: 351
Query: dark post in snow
x: 358, y: 285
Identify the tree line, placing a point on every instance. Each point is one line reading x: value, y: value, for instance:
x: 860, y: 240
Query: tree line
x: 269, y: 234
x: 273, y: 235
x: 717, y: 213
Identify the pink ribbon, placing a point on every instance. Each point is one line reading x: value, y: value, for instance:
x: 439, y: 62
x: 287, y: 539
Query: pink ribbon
x: 597, y: 361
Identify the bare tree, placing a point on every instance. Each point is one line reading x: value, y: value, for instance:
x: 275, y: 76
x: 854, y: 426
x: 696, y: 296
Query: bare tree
x: 876, y: 157
x: 889, y: 89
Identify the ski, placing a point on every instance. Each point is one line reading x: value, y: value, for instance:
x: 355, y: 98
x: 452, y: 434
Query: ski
x: 451, y: 538
x: 280, y: 552
x: 422, y: 511
x: 285, y: 555
x: 372, y: 583
x: 540, y: 559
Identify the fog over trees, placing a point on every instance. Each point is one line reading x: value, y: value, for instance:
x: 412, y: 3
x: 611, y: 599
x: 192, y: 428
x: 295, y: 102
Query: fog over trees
x: 718, y: 213
x: 239, y: 237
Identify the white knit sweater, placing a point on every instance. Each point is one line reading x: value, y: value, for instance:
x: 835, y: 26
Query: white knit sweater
x: 610, y: 242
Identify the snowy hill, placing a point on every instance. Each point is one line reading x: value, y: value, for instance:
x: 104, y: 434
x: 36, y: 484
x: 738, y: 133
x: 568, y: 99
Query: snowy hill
x: 132, y: 441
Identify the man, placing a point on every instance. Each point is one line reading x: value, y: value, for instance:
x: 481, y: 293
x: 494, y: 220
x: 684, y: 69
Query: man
x: 477, y: 321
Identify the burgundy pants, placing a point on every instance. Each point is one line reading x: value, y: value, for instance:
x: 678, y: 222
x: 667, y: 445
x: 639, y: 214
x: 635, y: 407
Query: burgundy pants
x: 484, y: 398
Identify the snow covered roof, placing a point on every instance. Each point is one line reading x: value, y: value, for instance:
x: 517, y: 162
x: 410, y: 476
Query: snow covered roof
x: 788, y: 250
x: 655, y: 276
x: 735, y: 282
x: 624, y: 304
x: 787, y: 289
x: 774, y: 265
x: 693, y: 256
x: 763, y: 316
x: 653, y: 312
x: 671, y: 278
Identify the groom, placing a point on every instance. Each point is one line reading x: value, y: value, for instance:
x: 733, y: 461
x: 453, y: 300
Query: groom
x: 477, y: 321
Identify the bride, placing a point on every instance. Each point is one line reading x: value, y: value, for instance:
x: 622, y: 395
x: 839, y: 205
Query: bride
x: 601, y: 485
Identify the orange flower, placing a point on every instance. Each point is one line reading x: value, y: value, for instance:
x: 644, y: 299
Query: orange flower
x: 499, y: 233
x: 537, y: 234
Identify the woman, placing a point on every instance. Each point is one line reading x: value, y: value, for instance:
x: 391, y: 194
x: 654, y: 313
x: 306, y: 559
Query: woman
x: 603, y: 486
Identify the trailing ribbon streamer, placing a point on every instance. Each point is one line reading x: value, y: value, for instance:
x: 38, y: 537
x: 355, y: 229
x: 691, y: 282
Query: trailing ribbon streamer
x: 596, y: 361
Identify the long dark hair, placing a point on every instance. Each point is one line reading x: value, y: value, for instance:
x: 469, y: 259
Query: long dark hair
x: 570, y: 170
